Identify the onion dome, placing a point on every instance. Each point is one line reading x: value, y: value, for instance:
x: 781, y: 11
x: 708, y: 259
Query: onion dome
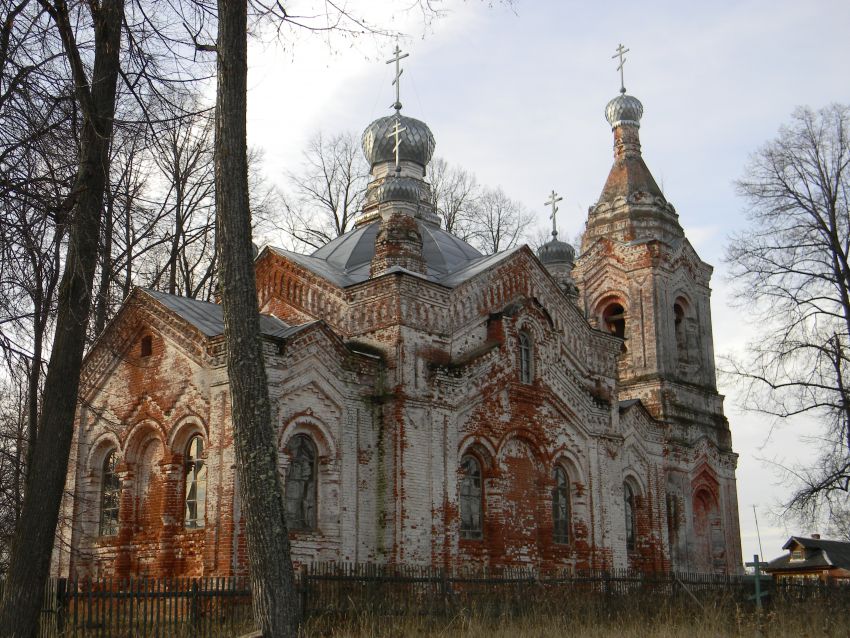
x: 624, y: 109
x: 417, y: 141
x: 556, y: 252
x: 395, y: 189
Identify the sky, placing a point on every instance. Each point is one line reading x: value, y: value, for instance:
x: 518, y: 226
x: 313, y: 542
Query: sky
x: 516, y: 94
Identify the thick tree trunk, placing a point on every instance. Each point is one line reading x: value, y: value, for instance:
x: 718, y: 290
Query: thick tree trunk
x: 272, y: 582
x: 34, y: 534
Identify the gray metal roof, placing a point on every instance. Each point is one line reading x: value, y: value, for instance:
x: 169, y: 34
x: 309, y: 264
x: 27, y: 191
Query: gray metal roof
x: 819, y: 553
x: 209, y: 317
x: 346, y: 260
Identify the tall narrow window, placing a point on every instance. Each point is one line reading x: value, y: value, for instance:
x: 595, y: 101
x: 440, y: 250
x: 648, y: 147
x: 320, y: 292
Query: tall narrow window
x: 524, y: 358
x: 681, y: 337
x: 196, y: 483
x: 300, y: 488
x: 629, y: 503
x: 561, y: 507
x: 146, y: 346
x: 110, y: 496
x: 470, y: 498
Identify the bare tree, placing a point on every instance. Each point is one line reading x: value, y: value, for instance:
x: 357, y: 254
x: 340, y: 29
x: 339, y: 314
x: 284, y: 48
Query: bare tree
x: 454, y: 195
x: 327, y: 191
x: 497, y: 222
x: 792, y: 271
x: 36, y: 527
x: 183, y: 154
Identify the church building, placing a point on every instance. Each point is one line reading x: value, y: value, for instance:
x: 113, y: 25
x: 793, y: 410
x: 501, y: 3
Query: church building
x: 432, y: 405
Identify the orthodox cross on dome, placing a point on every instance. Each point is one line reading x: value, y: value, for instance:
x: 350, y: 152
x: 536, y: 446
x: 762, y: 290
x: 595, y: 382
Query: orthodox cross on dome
x: 553, y: 202
x: 398, y: 129
x: 398, y: 71
x: 621, y: 53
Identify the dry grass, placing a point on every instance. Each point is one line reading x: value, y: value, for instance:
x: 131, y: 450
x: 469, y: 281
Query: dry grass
x: 797, y: 620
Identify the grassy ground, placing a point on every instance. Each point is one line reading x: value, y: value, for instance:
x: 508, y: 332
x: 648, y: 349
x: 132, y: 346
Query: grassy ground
x: 813, y: 619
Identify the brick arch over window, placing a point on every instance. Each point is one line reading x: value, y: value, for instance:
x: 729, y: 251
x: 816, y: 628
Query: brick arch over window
x: 313, y: 426
x: 612, y: 317
x: 183, y: 430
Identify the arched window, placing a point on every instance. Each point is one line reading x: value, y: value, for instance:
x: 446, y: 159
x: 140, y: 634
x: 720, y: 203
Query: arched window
x: 195, y: 471
x: 300, y: 487
x: 470, y: 498
x: 561, y: 507
x: 614, y: 318
x: 110, y: 496
x: 525, y: 375
x: 631, y: 521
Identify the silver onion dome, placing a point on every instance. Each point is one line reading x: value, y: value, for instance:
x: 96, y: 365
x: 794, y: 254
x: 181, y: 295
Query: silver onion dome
x: 624, y: 109
x: 395, y: 189
x: 556, y: 252
x: 417, y: 141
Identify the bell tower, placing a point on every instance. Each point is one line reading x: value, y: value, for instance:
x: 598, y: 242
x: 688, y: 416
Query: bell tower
x: 639, y: 278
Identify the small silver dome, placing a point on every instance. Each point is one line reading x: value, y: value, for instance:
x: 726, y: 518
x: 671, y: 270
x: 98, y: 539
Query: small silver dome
x: 417, y: 141
x: 556, y: 252
x: 624, y: 109
x: 395, y: 189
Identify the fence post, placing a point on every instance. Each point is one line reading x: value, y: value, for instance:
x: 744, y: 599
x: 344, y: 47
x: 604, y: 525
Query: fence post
x: 61, y: 586
x: 194, y: 606
x: 444, y: 590
x: 305, y: 584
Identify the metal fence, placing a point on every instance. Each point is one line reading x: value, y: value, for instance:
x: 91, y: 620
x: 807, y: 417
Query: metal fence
x: 211, y: 607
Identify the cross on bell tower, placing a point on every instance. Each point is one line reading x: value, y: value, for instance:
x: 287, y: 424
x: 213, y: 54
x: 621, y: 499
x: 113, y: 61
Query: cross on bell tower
x: 621, y: 53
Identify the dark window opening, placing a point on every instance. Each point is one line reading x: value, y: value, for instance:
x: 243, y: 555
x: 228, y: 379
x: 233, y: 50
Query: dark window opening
x: 525, y: 374
x: 471, y: 495
x: 147, y: 346
x: 561, y: 507
x: 196, y: 484
x: 681, y: 337
x: 110, y: 496
x: 614, y: 318
x: 631, y: 522
x: 300, y: 486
